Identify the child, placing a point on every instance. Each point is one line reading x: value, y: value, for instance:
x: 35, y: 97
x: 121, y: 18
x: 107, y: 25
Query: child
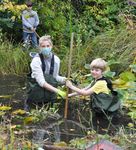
x: 103, y: 98
x: 30, y: 21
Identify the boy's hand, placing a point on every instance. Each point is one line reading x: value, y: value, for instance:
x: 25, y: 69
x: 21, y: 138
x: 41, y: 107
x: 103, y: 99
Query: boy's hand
x: 61, y: 93
x: 73, y: 94
x: 68, y: 83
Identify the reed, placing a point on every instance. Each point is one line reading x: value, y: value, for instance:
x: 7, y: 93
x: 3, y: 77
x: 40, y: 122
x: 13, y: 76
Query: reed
x: 13, y: 59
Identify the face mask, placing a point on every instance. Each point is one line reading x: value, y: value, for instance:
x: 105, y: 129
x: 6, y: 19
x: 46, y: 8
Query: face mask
x: 46, y: 51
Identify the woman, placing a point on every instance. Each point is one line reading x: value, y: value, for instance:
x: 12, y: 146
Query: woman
x: 45, y: 74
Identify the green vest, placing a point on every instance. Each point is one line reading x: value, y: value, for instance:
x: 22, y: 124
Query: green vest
x: 105, y: 102
x: 38, y: 94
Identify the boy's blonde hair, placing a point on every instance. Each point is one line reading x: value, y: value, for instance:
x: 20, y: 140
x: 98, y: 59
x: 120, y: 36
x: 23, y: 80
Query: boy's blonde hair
x: 45, y: 38
x: 99, y: 63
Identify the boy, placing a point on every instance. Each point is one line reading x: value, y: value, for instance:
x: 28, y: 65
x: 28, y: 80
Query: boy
x: 103, y: 98
x: 30, y: 21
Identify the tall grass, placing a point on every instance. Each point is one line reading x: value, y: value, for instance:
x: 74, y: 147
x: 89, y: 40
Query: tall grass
x: 118, y: 45
x: 12, y: 59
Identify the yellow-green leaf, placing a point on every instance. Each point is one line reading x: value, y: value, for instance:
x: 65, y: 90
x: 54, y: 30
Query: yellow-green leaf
x: 5, y: 108
x: 5, y: 96
x: 127, y: 76
x: 19, y: 111
x: 2, y: 113
x: 62, y: 144
x: 29, y: 120
x: 130, y: 125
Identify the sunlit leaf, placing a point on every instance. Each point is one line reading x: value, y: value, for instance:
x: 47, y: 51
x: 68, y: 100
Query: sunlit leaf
x: 72, y: 129
x: 18, y: 126
x: 113, y: 62
x: 91, y: 132
x: 109, y: 74
x: 132, y: 115
x: 118, y: 82
x: 87, y: 66
x: 127, y: 76
x: 133, y: 108
x: 13, y: 127
x: 133, y: 67
x: 62, y: 144
x: 6, y: 96
x: 2, y: 113
x: 130, y: 125
x: 104, y: 129
x: 19, y: 111
x: 29, y: 120
x: 5, y: 108
x: 88, y: 75
x: 27, y: 144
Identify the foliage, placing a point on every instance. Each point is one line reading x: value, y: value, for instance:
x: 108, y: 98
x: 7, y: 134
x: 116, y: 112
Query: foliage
x: 116, y: 46
x: 59, y: 18
x: 13, y: 134
x: 13, y: 59
x: 10, y: 18
x: 38, y: 115
x: 10, y: 140
x: 93, y: 138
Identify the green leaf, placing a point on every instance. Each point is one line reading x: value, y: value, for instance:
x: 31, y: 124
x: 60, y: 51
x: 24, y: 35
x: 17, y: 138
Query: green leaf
x: 87, y: 66
x: 6, y: 96
x: 133, y: 67
x: 2, y: 113
x: 132, y: 115
x: 127, y: 76
x: 5, y: 108
x: 109, y: 74
x: 29, y: 120
x: 113, y: 62
x: 19, y: 111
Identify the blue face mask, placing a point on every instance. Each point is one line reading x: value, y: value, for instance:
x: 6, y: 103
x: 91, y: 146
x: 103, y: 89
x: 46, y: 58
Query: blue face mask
x: 46, y: 51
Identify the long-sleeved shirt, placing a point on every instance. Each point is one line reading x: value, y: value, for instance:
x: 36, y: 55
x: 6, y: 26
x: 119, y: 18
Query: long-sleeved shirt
x: 37, y: 72
x: 30, y: 20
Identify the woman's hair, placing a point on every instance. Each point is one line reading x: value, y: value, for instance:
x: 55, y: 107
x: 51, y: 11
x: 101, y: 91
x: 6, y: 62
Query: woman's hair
x: 99, y: 63
x: 45, y: 38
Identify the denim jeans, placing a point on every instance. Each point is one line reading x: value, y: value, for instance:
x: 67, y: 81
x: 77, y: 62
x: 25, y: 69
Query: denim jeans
x: 32, y: 36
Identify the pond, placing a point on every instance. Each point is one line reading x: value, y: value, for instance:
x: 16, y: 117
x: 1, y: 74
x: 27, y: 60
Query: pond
x: 56, y: 129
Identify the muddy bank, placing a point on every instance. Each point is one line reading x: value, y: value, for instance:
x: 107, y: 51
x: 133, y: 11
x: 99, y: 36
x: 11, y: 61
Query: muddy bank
x: 79, y: 121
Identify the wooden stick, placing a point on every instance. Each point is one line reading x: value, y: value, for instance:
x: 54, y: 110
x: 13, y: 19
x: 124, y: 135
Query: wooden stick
x: 69, y: 71
x: 37, y: 34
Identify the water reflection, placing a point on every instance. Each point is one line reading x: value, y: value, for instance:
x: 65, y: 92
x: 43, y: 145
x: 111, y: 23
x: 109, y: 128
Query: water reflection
x: 62, y: 130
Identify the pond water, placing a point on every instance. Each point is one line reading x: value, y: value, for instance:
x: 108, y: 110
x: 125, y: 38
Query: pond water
x: 79, y: 120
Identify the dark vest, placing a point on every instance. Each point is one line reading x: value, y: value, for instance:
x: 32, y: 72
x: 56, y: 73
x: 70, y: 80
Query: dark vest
x: 105, y: 102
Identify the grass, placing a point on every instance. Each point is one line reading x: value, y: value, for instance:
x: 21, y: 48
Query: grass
x: 118, y: 45
x: 13, y: 59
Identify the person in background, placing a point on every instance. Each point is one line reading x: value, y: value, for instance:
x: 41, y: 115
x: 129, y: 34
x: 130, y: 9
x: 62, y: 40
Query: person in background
x: 44, y: 78
x: 30, y: 21
x: 103, y: 98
